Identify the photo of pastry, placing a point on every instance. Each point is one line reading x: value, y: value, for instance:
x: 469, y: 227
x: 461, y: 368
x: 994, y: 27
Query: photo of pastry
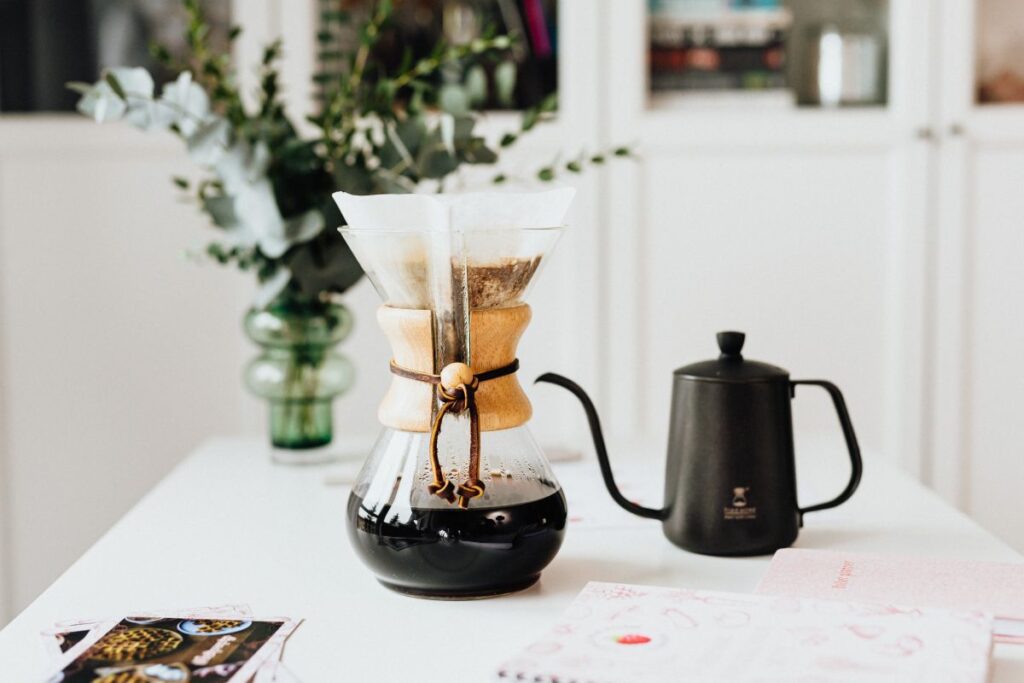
x: 214, y: 650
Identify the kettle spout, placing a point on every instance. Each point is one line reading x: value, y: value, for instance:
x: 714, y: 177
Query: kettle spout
x: 599, y: 446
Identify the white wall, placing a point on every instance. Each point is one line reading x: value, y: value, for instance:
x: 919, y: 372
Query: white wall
x: 118, y: 356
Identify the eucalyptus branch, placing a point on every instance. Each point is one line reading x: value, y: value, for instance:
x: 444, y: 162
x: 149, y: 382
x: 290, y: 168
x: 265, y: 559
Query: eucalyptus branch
x: 211, y: 68
x: 576, y: 165
x: 542, y: 112
x: 342, y: 99
x: 369, y: 38
x: 429, y: 65
x: 375, y: 135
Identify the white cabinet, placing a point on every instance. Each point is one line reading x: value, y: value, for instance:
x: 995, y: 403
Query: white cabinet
x: 976, y: 376
x: 878, y: 247
x: 796, y: 225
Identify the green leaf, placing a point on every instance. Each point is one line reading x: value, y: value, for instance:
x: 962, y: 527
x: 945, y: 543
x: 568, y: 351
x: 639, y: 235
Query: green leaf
x: 386, y: 90
x: 411, y: 132
x: 181, y: 182
x: 115, y: 85
x: 160, y: 53
x: 197, y: 33
x: 597, y: 159
x: 476, y: 85
x: 271, y: 52
x: 234, y: 33
x: 79, y: 87
x: 335, y: 17
x: 325, y: 263
x: 400, y: 149
x: 574, y: 167
x: 437, y: 164
x: 479, y: 153
x: 499, y: 179
x: 407, y: 57
x: 416, y: 101
x: 505, y: 81
x: 508, y: 139
x: 453, y: 98
x: 352, y: 179
x: 546, y: 174
x: 622, y: 151
x: 218, y: 252
x: 221, y: 210
x: 464, y: 128
x: 530, y: 118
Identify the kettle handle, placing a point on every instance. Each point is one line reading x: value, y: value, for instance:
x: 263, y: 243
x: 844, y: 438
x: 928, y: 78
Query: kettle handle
x: 602, y: 452
x: 856, y: 465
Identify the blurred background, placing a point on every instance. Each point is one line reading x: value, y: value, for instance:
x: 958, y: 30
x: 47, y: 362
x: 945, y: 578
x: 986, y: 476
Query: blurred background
x: 841, y: 179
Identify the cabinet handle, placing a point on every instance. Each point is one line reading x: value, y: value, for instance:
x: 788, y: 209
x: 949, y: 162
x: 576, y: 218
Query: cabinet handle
x: 924, y: 133
x: 956, y: 130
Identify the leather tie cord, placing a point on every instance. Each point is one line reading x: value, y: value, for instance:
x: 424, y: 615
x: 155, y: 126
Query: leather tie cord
x: 456, y: 388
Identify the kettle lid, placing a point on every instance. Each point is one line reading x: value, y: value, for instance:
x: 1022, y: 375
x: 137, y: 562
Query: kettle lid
x: 731, y: 366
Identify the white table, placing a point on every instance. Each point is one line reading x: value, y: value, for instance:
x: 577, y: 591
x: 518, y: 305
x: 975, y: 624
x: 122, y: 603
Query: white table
x: 227, y: 526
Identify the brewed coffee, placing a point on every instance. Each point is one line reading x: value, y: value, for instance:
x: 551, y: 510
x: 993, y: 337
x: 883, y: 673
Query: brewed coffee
x: 450, y: 552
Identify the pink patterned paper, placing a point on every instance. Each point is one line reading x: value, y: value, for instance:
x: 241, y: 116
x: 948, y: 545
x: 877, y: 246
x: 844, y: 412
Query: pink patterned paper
x: 616, y: 633
x: 995, y: 587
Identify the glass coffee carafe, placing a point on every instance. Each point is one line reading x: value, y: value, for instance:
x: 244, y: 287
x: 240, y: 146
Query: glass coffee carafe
x: 456, y: 499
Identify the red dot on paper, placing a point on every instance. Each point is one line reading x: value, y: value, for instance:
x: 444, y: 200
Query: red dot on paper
x: 632, y: 639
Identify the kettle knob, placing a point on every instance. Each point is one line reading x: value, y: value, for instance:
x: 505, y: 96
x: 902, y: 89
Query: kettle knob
x: 730, y: 344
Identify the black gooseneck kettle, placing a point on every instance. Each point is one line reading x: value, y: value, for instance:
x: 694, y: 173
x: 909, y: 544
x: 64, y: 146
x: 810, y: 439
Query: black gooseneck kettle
x: 730, y: 484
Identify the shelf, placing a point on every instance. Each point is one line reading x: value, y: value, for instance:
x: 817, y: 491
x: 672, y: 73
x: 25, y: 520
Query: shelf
x: 790, y: 128
x: 996, y: 123
x: 722, y: 100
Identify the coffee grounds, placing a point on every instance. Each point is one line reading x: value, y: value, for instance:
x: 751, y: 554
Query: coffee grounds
x: 491, y: 285
x: 495, y: 285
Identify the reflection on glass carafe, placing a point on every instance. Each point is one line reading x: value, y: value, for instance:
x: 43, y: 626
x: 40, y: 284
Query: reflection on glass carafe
x: 456, y: 498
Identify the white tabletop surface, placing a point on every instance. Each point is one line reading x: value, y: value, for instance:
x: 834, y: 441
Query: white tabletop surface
x: 228, y: 526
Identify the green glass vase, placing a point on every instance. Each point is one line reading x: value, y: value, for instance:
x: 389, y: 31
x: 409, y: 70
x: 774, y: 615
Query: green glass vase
x: 298, y: 371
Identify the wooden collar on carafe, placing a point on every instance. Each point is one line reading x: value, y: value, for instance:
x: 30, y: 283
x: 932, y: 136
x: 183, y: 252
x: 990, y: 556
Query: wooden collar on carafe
x: 489, y: 393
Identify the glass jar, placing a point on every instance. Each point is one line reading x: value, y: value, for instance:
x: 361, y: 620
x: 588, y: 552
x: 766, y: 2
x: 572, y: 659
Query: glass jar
x: 298, y: 371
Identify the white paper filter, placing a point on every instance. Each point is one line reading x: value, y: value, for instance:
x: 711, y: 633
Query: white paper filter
x: 411, y: 245
x: 456, y: 212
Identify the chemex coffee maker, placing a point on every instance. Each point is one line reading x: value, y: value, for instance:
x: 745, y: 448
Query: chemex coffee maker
x: 456, y: 499
x: 730, y: 481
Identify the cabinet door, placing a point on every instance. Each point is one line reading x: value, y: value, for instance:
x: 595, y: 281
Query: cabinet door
x: 800, y: 226
x: 978, y: 372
